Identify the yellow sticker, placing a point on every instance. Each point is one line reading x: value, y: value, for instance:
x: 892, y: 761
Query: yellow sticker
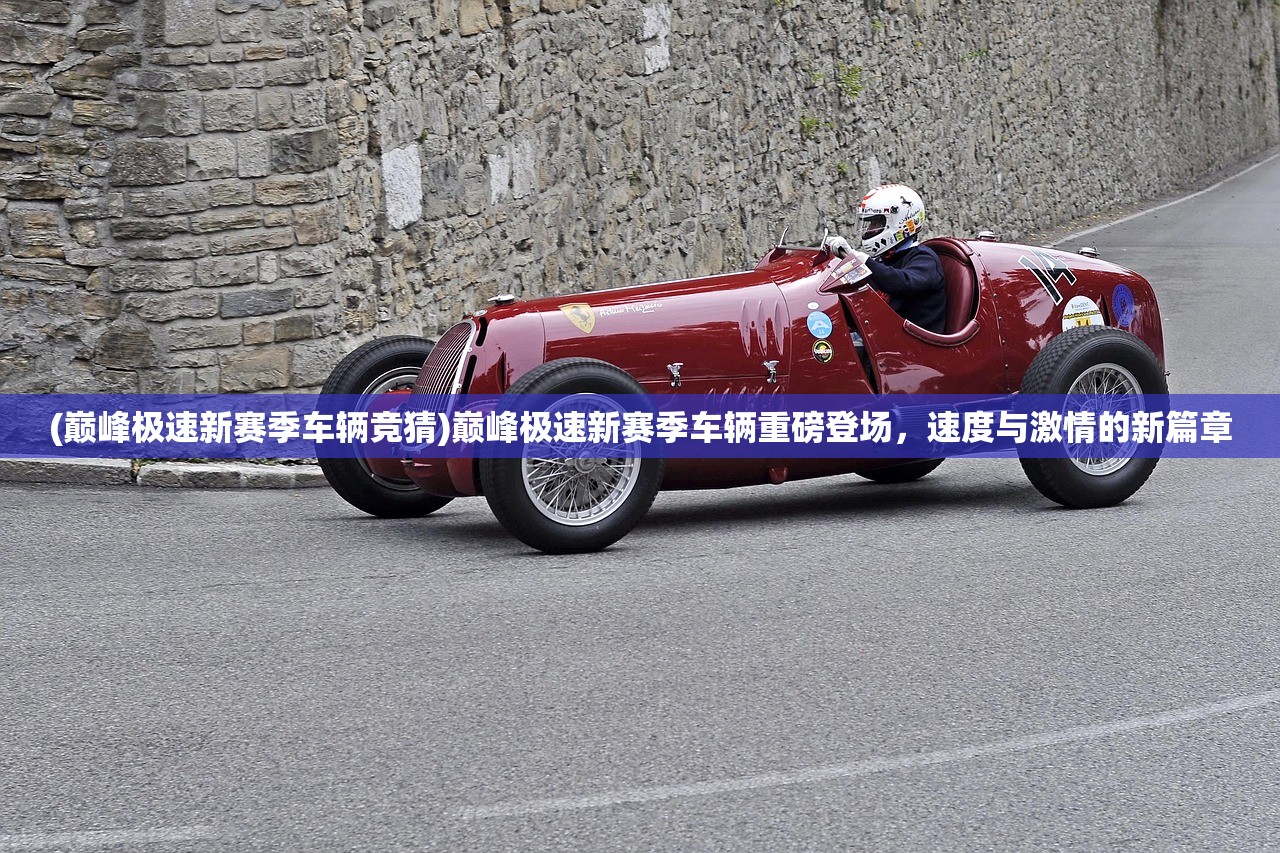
x: 1081, y: 311
x: 581, y: 315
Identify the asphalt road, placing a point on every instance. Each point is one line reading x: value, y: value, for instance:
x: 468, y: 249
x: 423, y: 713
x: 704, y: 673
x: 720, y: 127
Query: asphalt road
x: 953, y: 664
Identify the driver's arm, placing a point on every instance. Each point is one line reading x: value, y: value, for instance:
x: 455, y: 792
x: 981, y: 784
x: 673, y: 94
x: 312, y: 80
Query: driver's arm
x: 920, y: 275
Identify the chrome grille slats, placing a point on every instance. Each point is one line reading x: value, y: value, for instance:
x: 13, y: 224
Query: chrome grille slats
x: 440, y: 370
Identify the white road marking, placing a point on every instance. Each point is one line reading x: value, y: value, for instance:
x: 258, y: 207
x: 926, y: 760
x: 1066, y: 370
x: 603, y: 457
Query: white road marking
x: 874, y: 765
x: 90, y: 839
x: 1071, y: 238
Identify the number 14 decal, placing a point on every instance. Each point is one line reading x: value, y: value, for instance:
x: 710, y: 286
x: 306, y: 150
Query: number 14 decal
x: 1049, y: 271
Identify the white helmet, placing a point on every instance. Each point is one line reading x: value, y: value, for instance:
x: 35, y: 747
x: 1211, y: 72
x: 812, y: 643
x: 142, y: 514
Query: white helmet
x: 889, y: 217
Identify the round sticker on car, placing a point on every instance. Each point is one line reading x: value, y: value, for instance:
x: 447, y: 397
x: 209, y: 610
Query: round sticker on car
x: 1122, y: 305
x: 819, y: 324
x: 822, y: 351
x: 1081, y: 311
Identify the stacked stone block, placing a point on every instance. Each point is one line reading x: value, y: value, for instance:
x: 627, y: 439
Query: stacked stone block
x: 59, y: 114
x: 227, y: 195
x: 171, y: 220
x: 569, y: 145
x: 230, y: 208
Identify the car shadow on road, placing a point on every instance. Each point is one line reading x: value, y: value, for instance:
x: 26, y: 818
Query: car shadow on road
x: 841, y: 497
x: 467, y: 529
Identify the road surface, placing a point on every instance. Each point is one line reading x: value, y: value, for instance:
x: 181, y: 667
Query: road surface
x: 952, y: 664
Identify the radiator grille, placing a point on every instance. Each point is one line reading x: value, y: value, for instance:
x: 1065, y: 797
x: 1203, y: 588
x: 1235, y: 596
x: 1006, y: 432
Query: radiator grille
x: 441, y: 368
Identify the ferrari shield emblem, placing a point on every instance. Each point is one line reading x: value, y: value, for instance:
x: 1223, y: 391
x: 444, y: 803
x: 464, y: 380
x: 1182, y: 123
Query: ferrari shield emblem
x: 581, y: 315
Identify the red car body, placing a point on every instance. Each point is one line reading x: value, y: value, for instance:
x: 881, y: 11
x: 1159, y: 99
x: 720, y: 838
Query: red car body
x: 749, y: 333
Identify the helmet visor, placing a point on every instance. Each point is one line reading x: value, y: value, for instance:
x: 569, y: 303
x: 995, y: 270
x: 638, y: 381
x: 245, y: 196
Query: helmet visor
x: 871, y: 225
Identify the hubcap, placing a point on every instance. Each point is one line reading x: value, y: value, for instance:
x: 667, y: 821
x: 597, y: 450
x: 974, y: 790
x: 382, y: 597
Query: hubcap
x: 577, y: 486
x: 1104, y: 388
x: 395, y: 379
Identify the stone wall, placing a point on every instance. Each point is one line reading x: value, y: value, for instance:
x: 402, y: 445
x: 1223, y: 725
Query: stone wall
x: 204, y: 195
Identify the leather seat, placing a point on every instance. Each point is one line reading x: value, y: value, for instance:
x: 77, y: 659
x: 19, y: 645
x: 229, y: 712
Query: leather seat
x: 962, y: 297
x: 961, y: 284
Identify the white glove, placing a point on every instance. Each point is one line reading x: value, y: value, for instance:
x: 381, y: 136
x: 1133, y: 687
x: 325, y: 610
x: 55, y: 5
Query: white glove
x: 838, y: 246
x: 853, y: 269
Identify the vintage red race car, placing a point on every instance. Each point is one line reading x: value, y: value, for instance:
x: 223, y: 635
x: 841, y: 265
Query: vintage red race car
x: 1020, y: 319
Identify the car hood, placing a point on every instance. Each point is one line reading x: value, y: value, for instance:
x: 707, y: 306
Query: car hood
x: 717, y: 327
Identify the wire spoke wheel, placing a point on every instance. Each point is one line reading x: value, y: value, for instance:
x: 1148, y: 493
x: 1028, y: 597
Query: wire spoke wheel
x: 395, y: 379
x: 383, y: 366
x: 1105, y: 387
x: 1105, y: 371
x: 580, y: 491
x: 582, y: 488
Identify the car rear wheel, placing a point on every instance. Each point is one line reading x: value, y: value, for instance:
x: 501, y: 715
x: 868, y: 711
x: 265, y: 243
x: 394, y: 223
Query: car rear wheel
x: 565, y: 501
x: 384, y: 366
x: 908, y: 472
x: 1094, y: 363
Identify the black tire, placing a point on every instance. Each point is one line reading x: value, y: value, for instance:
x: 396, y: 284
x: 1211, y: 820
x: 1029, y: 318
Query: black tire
x: 1055, y: 370
x: 503, y: 480
x: 373, y: 368
x: 908, y: 472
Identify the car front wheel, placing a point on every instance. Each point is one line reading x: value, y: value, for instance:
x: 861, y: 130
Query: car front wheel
x: 384, y: 366
x: 1095, y: 363
x: 565, y: 500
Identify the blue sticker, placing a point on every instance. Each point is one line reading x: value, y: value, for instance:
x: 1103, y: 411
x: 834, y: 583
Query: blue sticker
x: 1122, y: 305
x: 819, y: 325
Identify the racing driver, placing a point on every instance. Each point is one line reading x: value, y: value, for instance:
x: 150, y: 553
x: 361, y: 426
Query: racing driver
x: 890, y: 219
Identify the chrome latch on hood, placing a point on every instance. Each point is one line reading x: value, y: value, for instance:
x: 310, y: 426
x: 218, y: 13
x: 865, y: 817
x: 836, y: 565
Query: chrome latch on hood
x: 772, y: 367
x: 674, y: 370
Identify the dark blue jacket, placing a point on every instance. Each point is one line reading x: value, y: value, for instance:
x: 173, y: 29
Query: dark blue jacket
x: 912, y: 279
